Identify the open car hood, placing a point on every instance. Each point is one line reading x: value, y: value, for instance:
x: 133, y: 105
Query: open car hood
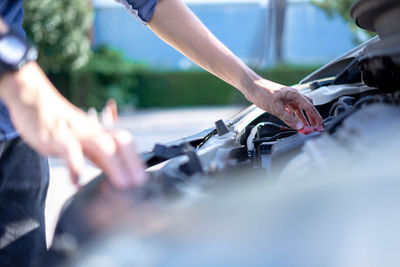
x: 336, y: 66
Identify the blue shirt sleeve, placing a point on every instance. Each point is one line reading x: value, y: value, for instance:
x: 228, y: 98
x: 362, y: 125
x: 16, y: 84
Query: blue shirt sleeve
x: 12, y: 12
x: 142, y: 10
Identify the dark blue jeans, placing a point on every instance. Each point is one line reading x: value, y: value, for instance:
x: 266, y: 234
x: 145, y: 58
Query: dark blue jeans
x: 24, y: 179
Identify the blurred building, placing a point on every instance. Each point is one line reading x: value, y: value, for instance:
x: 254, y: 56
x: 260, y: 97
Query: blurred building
x: 309, y: 35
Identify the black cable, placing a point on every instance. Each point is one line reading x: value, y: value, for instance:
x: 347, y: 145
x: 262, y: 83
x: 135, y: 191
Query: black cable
x: 332, y: 111
x: 359, y: 104
x: 327, y: 120
x: 275, y: 137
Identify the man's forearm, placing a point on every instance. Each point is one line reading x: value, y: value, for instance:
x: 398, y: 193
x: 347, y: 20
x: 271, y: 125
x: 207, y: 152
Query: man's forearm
x: 178, y: 26
x: 173, y: 22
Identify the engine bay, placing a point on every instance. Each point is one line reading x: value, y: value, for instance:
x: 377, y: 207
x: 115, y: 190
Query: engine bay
x: 356, y: 126
x: 358, y: 97
x: 272, y: 145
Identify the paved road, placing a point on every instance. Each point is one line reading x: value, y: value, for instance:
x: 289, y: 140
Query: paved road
x: 148, y: 127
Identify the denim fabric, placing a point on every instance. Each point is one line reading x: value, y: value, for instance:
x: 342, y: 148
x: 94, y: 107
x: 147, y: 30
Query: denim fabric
x: 12, y: 12
x: 142, y: 10
x: 24, y: 179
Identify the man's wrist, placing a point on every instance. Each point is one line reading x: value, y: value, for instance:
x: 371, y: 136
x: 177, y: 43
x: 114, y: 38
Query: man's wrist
x: 13, y: 84
x: 249, y: 82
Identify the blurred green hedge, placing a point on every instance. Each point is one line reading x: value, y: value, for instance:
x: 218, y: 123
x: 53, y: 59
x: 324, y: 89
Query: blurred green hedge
x: 108, y: 74
x: 60, y: 29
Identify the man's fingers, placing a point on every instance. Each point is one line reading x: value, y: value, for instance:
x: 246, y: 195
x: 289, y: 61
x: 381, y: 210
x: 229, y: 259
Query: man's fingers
x: 309, y: 99
x: 300, y: 115
x: 75, y: 161
x: 312, y: 114
x: 71, y: 150
x: 129, y: 156
x: 101, y: 150
x: 106, y: 153
x: 314, y: 117
x: 287, y: 118
x: 298, y: 102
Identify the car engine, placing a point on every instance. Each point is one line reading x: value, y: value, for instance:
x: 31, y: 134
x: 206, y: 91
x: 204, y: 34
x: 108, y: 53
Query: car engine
x: 358, y: 96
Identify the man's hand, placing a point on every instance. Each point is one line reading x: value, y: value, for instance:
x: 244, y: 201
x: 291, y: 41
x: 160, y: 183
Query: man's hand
x: 53, y: 126
x: 174, y: 23
x: 284, y: 102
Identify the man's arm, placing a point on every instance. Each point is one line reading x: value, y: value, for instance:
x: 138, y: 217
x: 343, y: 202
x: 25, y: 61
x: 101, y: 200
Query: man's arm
x: 173, y: 22
x: 53, y: 126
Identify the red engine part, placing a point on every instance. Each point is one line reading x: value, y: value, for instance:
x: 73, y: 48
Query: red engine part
x: 311, y: 129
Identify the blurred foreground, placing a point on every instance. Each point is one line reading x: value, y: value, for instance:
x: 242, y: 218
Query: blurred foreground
x: 148, y: 127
